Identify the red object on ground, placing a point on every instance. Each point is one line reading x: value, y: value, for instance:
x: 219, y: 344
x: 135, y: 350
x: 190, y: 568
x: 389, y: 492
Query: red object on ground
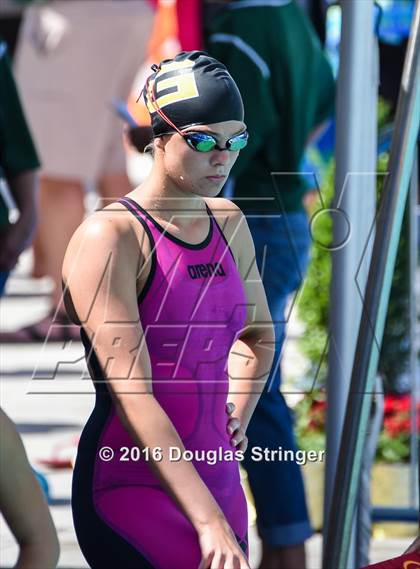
x: 62, y: 455
x: 408, y: 561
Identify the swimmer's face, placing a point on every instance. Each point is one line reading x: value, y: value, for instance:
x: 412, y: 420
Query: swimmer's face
x: 202, y: 173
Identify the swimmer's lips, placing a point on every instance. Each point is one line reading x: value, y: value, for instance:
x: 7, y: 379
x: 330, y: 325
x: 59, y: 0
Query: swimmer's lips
x: 216, y: 179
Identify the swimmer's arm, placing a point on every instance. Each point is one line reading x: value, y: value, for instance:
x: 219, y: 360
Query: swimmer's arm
x: 100, y: 271
x: 23, y: 505
x: 251, y: 356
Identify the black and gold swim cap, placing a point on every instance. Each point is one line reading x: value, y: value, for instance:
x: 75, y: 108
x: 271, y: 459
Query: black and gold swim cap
x: 191, y: 89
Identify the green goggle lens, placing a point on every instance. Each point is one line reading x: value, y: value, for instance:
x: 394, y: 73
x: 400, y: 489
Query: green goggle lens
x: 238, y: 142
x: 205, y: 145
x: 202, y: 142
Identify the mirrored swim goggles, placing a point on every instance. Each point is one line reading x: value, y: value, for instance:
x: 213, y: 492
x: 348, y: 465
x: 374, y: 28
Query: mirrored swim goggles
x: 198, y: 141
x: 203, y: 142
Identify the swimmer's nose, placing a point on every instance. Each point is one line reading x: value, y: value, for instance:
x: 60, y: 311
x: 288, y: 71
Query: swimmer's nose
x: 220, y: 157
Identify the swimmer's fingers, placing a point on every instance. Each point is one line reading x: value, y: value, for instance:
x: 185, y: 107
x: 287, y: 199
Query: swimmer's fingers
x: 243, y: 444
x: 243, y: 563
x: 233, y: 425
x: 239, y: 563
x: 229, y: 561
x: 235, y: 562
x: 230, y: 408
x: 218, y: 561
x: 232, y: 562
x: 206, y: 561
x: 219, y: 547
x: 239, y: 439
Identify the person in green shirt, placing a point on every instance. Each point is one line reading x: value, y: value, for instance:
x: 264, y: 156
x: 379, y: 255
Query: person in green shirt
x: 18, y: 168
x: 287, y: 86
x: 276, y: 58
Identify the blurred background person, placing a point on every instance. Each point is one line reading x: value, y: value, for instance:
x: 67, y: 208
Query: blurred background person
x: 73, y: 58
x: 18, y: 172
x: 10, y: 19
x: 274, y: 55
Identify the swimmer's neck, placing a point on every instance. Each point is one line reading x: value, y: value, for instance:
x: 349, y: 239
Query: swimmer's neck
x: 163, y: 196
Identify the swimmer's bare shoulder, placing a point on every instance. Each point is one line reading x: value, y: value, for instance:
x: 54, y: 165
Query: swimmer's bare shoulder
x: 107, y: 250
x: 234, y: 226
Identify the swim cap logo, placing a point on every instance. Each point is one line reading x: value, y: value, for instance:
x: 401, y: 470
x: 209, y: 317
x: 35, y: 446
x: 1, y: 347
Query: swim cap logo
x: 206, y: 270
x: 174, y: 82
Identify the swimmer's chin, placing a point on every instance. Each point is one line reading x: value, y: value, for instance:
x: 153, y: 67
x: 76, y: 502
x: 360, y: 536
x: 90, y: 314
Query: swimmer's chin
x: 207, y: 188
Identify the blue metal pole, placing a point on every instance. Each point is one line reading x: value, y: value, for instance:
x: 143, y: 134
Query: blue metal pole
x: 354, y: 199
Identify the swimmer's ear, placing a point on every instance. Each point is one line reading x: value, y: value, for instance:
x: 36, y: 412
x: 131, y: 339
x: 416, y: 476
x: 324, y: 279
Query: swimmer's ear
x: 160, y: 142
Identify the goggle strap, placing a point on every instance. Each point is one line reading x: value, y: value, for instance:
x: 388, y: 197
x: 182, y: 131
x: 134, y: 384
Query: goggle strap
x: 150, y: 92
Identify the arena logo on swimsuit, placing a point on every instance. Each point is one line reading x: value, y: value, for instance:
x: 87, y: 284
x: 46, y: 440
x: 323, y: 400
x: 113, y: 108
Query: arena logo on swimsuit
x: 206, y: 270
x: 175, y: 82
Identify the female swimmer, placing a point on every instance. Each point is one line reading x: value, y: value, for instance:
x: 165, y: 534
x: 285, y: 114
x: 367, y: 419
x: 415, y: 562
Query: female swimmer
x: 175, y: 321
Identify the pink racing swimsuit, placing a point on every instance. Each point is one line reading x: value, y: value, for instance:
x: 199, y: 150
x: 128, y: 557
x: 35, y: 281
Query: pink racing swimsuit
x: 191, y: 308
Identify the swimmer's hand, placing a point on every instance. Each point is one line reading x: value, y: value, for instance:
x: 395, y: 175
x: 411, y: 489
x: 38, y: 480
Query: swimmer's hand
x: 238, y: 436
x: 219, y: 547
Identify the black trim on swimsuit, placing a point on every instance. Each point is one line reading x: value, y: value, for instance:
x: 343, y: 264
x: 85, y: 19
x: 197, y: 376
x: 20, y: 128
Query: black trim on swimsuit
x: 101, y: 545
x: 172, y: 237
x: 126, y: 203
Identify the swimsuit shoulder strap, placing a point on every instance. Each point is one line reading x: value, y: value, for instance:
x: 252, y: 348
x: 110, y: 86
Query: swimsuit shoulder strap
x: 220, y: 230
